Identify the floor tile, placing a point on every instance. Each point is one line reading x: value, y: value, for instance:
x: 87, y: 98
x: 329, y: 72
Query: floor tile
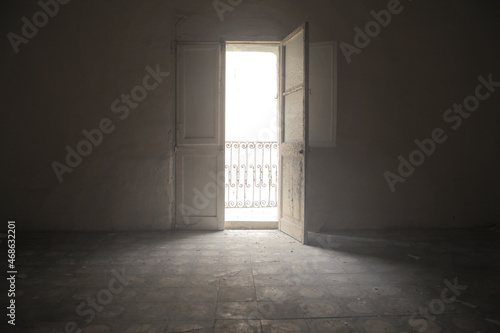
x: 240, y: 326
x: 320, y: 308
x: 236, y: 294
x: 237, y: 310
x: 195, y: 326
x: 293, y: 326
x: 193, y: 311
x: 257, y: 281
x: 284, y: 309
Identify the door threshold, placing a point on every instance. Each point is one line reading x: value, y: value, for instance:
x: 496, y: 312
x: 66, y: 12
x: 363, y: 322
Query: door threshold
x: 253, y: 225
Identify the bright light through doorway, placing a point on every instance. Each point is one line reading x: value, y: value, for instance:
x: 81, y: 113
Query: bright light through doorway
x: 251, y: 116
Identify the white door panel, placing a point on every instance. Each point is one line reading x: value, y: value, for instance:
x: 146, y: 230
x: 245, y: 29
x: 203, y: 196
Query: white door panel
x: 199, y: 94
x: 294, y: 133
x: 200, y: 136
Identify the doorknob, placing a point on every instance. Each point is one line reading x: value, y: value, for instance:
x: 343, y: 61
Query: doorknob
x: 301, y: 152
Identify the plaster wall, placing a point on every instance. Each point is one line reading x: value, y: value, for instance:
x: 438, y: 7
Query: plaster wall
x: 65, y: 79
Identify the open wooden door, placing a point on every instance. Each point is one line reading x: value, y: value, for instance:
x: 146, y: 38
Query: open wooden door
x: 294, y: 132
x: 200, y: 136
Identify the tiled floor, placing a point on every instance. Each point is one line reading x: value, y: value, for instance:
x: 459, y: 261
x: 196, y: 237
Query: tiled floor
x: 258, y: 281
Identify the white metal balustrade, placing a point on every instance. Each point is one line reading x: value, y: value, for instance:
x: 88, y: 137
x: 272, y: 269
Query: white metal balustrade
x: 251, y: 174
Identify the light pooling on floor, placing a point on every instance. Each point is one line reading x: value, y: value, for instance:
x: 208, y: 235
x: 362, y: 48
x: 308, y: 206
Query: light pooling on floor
x: 256, y: 281
x: 251, y: 214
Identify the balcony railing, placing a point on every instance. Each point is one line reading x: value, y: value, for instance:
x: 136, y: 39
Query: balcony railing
x: 251, y: 174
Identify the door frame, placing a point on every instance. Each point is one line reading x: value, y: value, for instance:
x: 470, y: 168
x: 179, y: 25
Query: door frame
x: 263, y: 225
x: 216, y: 177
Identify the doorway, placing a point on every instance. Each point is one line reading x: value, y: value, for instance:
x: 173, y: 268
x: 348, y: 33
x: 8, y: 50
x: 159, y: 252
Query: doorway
x: 200, y: 173
x: 251, y: 149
